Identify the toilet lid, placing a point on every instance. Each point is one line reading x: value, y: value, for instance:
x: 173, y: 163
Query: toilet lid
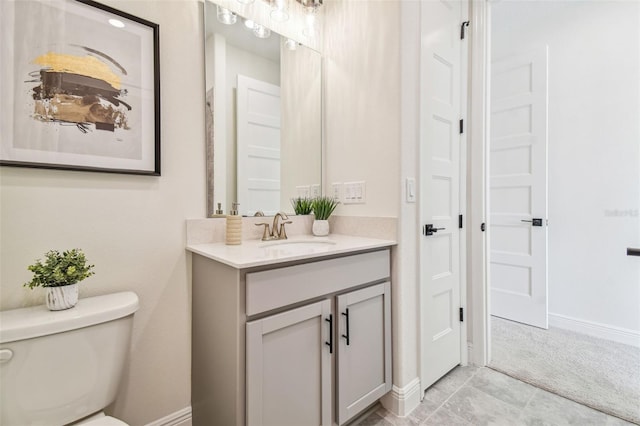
x: 105, y: 421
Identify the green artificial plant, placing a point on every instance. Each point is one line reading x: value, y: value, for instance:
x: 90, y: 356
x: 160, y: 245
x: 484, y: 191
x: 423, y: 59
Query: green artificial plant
x: 323, y: 207
x: 302, y: 205
x: 60, y: 269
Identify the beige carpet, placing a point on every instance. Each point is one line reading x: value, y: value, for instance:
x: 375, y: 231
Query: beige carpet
x: 598, y: 373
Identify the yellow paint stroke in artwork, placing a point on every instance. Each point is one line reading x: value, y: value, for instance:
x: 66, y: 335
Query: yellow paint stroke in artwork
x: 83, y: 65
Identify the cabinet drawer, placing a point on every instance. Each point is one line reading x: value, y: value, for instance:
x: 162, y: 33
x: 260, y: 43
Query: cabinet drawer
x: 275, y: 288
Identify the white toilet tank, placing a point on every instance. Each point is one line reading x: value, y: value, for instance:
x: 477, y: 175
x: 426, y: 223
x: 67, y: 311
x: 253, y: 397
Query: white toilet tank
x: 59, y: 367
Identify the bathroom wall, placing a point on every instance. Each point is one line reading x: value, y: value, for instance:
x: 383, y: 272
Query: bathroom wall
x: 131, y: 227
x: 594, y: 155
x: 362, y: 102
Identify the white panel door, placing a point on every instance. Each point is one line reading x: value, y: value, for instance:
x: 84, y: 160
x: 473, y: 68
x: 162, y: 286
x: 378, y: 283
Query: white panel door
x: 518, y: 188
x: 258, y: 144
x: 289, y: 368
x: 364, y: 348
x: 440, y: 82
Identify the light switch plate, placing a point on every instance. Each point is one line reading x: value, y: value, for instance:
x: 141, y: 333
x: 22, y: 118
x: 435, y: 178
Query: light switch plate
x: 336, y: 191
x: 355, y: 192
x: 411, y: 190
x: 315, y: 190
x: 303, y: 191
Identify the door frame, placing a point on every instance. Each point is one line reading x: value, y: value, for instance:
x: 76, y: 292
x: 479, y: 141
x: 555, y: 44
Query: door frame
x: 478, y: 167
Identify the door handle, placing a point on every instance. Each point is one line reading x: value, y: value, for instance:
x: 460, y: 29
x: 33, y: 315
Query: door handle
x: 633, y: 251
x: 346, y: 336
x: 428, y: 229
x: 533, y: 222
x: 330, y: 342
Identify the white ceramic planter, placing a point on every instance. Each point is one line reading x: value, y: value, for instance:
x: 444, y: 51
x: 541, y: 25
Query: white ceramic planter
x: 63, y: 297
x: 320, y: 228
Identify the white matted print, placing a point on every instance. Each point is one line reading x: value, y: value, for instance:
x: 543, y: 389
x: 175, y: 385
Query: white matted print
x: 79, y: 87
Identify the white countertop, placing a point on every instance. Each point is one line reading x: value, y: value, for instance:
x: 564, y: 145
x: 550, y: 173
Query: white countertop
x: 258, y: 253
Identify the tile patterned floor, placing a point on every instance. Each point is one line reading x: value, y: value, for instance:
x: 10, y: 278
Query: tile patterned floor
x: 481, y: 396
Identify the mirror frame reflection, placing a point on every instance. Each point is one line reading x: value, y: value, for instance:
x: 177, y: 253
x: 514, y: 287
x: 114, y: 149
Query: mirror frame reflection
x: 262, y: 150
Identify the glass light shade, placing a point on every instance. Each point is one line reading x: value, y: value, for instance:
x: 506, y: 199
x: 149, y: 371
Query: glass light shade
x: 310, y: 20
x: 245, y: 1
x: 279, y: 11
x: 249, y: 24
x: 291, y: 44
x: 226, y: 16
x: 261, y: 31
x: 279, y: 15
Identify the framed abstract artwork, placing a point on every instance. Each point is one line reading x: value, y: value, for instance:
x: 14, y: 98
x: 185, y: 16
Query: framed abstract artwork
x: 79, y: 87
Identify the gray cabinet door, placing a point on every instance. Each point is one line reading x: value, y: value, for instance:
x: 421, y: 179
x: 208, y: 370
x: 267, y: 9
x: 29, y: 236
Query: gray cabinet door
x: 364, y: 348
x: 289, y: 368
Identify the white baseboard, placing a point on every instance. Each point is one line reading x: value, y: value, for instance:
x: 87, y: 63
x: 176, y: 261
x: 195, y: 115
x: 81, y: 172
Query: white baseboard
x: 603, y: 331
x: 402, y: 401
x: 178, y: 418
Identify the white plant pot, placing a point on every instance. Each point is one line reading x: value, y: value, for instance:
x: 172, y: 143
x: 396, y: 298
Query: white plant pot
x: 320, y: 228
x: 63, y: 297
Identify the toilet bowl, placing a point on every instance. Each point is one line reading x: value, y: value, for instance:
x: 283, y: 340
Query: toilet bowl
x: 64, y: 367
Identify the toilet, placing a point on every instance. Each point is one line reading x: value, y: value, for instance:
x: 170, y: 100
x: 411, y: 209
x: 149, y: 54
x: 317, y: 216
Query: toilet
x: 64, y: 367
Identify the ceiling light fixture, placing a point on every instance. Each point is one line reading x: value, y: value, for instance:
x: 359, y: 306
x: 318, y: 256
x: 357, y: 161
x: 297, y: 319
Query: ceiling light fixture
x: 249, y: 24
x: 261, y: 31
x: 309, y: 30
x: 313, y: 4
x: 226, y: 16
x: 291, y: 44
x: 245, y: 1
x: 279, y: 11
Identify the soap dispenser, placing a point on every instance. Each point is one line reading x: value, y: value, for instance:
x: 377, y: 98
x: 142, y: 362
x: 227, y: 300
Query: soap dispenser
x: 219, y: 212
x: 234, y: 226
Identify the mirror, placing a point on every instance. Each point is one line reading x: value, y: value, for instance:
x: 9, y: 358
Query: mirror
x: 263, y: 117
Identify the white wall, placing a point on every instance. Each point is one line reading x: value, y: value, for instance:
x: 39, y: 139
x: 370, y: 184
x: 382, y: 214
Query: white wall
x: 362, y: 101
x: 131, y: 227
x: 594, y: 153
x: 301, y: 137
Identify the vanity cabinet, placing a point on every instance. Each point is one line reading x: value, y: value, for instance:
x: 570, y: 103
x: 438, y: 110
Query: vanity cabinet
x: 289, y: 367
x: 364, y: 348
x: 301, y: 344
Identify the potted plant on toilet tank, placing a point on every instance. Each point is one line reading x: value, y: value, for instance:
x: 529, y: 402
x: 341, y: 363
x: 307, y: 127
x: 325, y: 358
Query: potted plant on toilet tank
x: 60, y: 274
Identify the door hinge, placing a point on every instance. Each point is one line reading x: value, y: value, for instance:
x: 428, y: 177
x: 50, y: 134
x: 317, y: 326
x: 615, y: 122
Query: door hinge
x: 461, y: 126
x: 460, y: 221
x: 483, y: 227
x: 464, y: 24
x: 461, y: 314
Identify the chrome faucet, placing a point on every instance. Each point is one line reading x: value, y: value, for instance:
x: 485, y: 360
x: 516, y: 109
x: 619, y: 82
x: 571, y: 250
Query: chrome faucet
x: 277, y: 230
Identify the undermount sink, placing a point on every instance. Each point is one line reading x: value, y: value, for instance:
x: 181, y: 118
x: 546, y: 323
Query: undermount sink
x: 294, y: 247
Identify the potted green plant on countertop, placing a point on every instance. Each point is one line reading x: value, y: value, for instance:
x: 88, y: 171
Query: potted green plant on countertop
x: 60, y: 274
x: 302, y: 205
x: 322, y: 209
